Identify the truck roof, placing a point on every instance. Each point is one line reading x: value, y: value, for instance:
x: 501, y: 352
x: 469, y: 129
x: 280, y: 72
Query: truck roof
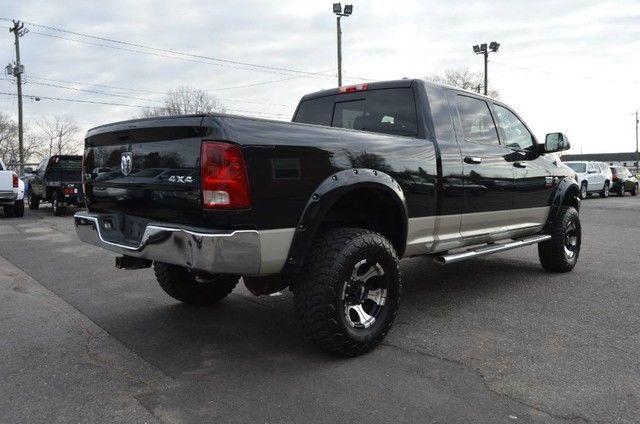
x: 400, y: 83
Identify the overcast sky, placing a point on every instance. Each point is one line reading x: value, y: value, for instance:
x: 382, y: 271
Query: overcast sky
x: 571, y: 66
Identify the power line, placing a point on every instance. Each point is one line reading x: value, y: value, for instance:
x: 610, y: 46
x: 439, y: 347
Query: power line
x: 97, y: 102
x: 176, y: 52
x: 114, y: 87
x: 104, y: 93
x: 30, y: 78
x: 544, y: 71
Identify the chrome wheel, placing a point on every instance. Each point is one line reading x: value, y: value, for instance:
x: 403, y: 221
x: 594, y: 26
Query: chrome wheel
x: 571, y: 240
x: 606, y: 190
x: 583, y: 191
x: 364, y: 294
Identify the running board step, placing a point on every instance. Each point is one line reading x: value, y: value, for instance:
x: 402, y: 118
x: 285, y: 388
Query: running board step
x: 489, y: 249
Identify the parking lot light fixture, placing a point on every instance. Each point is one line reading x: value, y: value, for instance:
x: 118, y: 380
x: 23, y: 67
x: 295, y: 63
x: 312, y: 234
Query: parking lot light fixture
x: 484, y: 50
x: 348, y: 10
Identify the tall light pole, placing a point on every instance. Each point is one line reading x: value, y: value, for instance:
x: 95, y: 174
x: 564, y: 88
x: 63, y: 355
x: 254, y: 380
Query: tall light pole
x: 484, y: 50
x: 16, y: 70
x: 637, y: 151
x: 348, y: 10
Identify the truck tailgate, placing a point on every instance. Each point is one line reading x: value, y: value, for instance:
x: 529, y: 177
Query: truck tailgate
x: 146, y: 168
x: 6, y: 181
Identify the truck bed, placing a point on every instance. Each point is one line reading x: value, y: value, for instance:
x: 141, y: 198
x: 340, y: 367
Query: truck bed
x: 285, y: 162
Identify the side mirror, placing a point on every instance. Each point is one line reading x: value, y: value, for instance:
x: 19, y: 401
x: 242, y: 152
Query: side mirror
x: 28, y: 170
x: 556, y: 142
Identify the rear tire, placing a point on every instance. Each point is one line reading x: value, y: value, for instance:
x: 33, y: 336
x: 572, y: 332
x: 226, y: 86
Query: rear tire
x: 9, y: 211
x: 583, y: 191
x: 634, y: 192
x: 58, y: 210
x: 34, y: 201
x: 18, y: 209
x: 347, y: 295
x: 605, y: 191
x: 621, y: 192
x: 192, y: 287
x: 560, y: 254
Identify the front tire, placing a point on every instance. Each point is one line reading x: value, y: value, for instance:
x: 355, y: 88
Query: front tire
x: 583, y: 191
x: 621, y: 191
x: 634, y: 191
x: 605, y: 191
x: 193, y: 287
x: 560, y: 254
x: 347, y: 296
x: 9, y: 211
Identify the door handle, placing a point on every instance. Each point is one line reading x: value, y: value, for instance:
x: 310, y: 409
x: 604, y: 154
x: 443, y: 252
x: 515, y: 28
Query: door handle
x: 472, y: 160
x: 520, y: 164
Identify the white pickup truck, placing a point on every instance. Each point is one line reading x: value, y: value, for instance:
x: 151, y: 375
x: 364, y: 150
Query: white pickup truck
x: 11, y: 193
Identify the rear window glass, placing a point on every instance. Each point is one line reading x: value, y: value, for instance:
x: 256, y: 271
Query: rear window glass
x: 388, y: 111
x: 578, y: 167
x: 66, y: 164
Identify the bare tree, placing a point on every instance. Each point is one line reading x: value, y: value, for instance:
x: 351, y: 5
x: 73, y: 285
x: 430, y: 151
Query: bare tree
x: 185, y: 100
x: 463, y: 78
x: 9, y: 141
x: 59, y: 133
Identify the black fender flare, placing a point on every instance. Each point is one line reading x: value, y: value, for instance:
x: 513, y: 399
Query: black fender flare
x: 326, y: 195
x: 567, y: 192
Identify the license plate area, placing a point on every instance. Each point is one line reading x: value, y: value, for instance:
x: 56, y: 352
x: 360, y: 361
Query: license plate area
x: 124, y: 229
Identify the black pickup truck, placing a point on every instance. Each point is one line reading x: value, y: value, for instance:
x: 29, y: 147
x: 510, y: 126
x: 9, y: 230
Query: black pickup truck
x: 58, y: 180
x: 328, y: 204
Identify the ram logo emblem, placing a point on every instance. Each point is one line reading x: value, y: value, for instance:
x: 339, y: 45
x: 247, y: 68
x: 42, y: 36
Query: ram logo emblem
x: 126, y: 162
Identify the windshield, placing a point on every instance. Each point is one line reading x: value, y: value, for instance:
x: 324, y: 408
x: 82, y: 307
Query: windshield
x: 578, y: 167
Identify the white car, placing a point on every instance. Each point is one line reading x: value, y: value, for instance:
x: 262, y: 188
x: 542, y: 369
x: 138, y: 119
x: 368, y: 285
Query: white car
x: 11, y: 192
x: 593, y: 177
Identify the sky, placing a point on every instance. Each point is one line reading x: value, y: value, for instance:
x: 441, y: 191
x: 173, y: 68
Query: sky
x: 570, y: 66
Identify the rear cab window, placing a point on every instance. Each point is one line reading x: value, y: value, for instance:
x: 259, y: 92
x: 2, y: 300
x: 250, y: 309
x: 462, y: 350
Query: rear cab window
x: 65, y: 164
x: 387, y: 111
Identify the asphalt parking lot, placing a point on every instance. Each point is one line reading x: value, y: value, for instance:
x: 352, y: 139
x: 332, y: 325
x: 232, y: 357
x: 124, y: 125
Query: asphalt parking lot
x: 493, y: 340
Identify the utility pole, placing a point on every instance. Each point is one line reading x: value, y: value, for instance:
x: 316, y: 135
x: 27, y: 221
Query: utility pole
x: 637, y: 151
x: 484, y: 50
x: 18, y: 30
x: 348, y: 10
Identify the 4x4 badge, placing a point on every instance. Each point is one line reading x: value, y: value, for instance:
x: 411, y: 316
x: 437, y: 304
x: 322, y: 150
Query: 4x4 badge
x: 126, y: 162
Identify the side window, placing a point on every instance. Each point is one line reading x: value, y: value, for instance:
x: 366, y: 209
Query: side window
x: 477, y: 123
x: 517, y: 136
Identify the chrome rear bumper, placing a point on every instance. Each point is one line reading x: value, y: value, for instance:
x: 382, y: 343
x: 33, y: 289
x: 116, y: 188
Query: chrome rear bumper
x: 226, y: 252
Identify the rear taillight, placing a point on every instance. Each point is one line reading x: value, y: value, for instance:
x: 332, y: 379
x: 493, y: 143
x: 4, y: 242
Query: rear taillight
x: 223, y: 177
x: 16, y: 183
x: 69, y: 190
x: 615, y: 178
x: 83, y: 171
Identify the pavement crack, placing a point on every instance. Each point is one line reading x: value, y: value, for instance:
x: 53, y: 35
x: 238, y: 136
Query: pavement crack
x: 565, y: 417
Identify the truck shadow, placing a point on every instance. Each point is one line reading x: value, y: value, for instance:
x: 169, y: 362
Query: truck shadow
x: 184, y: 340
